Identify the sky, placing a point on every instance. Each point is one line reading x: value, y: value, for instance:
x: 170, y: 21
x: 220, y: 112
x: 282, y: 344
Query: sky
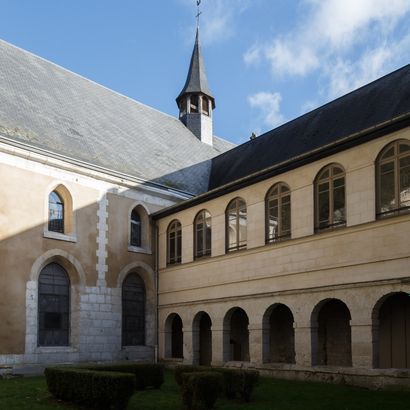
x: 267, y: 61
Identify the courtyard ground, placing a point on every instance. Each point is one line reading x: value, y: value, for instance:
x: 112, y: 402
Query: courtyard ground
x: 32, y: 394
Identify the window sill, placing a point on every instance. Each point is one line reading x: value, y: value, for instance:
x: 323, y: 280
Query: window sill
x: 137, y: 249
x: 59, y: 236
x: 56, y: 349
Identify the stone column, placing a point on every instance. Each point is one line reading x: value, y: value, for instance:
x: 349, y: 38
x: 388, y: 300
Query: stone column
x: 218, y: 343
x: 255, y: 342
x: 303, y: 343
x: 187, y: 345
x: 362, y: 343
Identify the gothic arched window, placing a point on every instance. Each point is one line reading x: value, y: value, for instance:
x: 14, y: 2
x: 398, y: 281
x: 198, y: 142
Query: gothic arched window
x: 203, y: 230
x: 393, y: 179
x: 53, y: 306
x: 133, y: 311
x: 330, y: 198
x: 55, y: 212
x: 236, y: 221
x: 174, y: 245
x: 278, y: 213
x: 135, y: 234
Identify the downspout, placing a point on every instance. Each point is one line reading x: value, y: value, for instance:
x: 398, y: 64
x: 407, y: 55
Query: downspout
x: 157, y: 290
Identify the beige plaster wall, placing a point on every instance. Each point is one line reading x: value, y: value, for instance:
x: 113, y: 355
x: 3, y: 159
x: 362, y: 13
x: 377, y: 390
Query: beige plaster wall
x: 356, y: 263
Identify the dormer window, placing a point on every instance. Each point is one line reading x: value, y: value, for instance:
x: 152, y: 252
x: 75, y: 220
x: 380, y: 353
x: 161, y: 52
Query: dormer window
x: 194, y: 104
x: 205, y: 106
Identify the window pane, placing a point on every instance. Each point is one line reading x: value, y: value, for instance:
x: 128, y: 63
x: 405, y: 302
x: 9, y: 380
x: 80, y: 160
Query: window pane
x: 242, y: 227
x: 208, y: 240
x: 339, y: 201
x: 389, y: 153
x: 171, y: 250
x: 55, y: 213
x: 324, y: 209
x: 387, y: 199
x: 273, y: 219
x: 404, y: 148
x: 285, y: 216
x: 133, y: 311
x: 337, y: 171
x: 179, y: 246
x: 324, y: 175
x: 54, y: 306
x: 199, y: 240
x: 405, y: 181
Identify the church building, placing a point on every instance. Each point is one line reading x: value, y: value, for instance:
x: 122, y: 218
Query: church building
x: 128, y: 234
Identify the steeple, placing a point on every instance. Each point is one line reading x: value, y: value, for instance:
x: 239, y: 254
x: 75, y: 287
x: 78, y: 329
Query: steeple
x: 195, y: 101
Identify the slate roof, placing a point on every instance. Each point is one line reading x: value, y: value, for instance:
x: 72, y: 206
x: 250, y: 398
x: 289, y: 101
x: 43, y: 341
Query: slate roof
x: 51, y: 108
x: 372, y: 105
x: 196, y: 81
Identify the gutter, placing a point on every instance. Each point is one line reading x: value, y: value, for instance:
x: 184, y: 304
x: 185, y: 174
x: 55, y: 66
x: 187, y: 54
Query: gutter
x: 341, y: 144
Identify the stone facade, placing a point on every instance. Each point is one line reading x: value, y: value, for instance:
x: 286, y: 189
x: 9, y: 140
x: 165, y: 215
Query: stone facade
x: 95, y: 253
x: 358, y: 266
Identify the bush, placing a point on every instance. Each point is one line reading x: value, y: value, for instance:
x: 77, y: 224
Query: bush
x: 244, y: 382
x: 103, y: 390
x: 238, y: 383
x: 146, y: 375
x: 112, y: 389
x: 200, y: 389
x: 181, y: 369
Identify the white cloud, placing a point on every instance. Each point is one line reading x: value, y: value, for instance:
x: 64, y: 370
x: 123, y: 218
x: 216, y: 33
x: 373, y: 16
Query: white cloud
x: 348, y: 43
x: 269, y: 106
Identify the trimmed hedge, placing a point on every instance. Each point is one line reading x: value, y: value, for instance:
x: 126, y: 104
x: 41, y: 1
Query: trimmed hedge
x: 146, y: 374
x: 236, y: 384
x: 102, y: 390
x: 182, y: 369
x: 200, y: 390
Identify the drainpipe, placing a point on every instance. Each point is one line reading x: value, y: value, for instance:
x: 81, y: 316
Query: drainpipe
x: 157, y: 290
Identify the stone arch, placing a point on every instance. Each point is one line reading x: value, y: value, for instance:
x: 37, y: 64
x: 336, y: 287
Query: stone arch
x: 391, y: 331
x: 236, y: 335
x: 331, y: 334
x: 202, y: 339
x: 63, y: 258
x: 77, y: 279
x: 146, y: 273
x: 174, y: 337
x: 278, y: 335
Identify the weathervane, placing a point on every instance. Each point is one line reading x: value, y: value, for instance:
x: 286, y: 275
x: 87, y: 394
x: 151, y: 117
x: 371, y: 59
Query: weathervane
x: 198, y: 3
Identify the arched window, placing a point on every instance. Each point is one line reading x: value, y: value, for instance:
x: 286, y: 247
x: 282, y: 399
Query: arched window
x: 236, y: 225
x: 135, y: 235
x: 133, y: 311
x: 203, y: 230
x: 393, y: 179
x: 278, y: 213
x: 55, y: 212
x: 174, y: 238
x: 53, y: 306
x: 330, y: 198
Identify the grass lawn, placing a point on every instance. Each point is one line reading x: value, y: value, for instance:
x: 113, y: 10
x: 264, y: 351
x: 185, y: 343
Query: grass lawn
x: 32, y: 394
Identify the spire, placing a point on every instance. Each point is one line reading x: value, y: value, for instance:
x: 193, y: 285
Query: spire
x: 196, y: 81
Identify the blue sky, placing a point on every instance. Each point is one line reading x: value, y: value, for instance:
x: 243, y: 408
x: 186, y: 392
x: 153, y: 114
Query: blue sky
x: 267, y: 61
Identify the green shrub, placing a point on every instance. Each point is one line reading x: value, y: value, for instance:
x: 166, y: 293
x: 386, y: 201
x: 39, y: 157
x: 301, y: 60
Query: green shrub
x: 244, y: 382
x: 112, y: 389
x: 146, y: 374
x: 181, y: 369
x: 103, y: 390
x: 200, y: 389
x: 238, y: 383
